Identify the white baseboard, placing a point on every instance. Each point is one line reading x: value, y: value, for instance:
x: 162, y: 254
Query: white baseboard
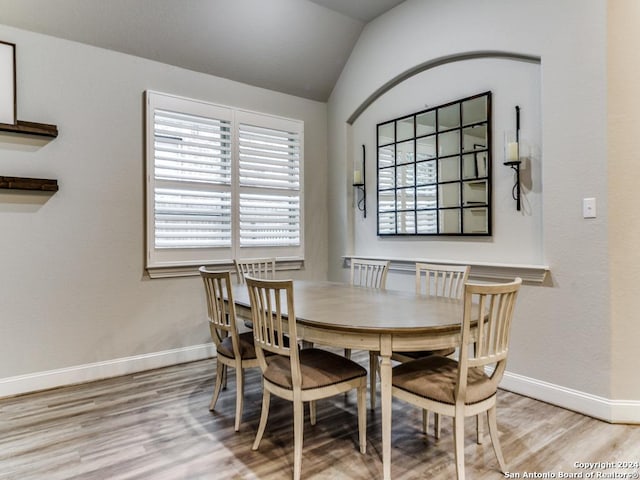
x: 32, y: 382
x: 612, y: 411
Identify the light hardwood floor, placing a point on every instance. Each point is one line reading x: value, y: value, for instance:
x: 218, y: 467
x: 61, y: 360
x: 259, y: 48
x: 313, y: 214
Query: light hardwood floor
x: 156, y: 425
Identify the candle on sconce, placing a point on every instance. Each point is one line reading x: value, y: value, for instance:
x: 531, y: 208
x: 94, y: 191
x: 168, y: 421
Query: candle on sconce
x: 512, y: 152
x: 357, y: 177
x: 511, y: 147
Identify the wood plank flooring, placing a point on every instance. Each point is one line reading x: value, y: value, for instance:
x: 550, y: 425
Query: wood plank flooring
x: 156, y: 425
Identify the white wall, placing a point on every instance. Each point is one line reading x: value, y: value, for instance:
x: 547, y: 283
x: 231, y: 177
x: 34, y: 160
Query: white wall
x: 72, y: 287
x: 517, y: 236
x: 73, y: 290
x: 561, y: 343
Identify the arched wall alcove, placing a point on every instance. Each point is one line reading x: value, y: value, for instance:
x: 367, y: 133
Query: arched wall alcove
x: 513, y: 79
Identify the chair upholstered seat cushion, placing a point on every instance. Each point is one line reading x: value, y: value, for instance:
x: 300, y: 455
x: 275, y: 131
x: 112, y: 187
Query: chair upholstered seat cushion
x: 319, y: 368
x: 435, y: 378
x: 247, y: 350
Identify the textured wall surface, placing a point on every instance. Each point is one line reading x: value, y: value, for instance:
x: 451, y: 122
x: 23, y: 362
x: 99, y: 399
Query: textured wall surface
x: 562, y: 331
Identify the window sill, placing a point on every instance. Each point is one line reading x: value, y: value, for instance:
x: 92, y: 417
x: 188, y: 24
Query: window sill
x: 170, y: 271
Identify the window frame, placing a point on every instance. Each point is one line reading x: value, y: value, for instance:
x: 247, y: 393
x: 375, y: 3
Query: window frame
x: 161, y: 262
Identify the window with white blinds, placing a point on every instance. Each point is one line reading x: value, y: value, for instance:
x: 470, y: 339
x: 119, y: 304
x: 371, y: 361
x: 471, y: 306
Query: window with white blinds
x: 221, y: 183
x: 192, y: 154
x: 269, y: 177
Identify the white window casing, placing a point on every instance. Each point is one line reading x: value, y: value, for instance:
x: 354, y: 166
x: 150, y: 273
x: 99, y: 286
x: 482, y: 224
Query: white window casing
x: 222, y: 183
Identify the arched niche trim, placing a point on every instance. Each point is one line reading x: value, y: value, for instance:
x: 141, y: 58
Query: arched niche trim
x: 436, y: 62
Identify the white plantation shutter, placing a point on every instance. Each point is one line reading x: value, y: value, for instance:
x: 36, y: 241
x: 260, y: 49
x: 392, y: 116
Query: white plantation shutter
x: 192, y: 151
x: 269, y: 180
x: 269, y: 220
x: 269, y: 158
x: 219, y: 179
x: 191, y: 218
x: 191, y: 148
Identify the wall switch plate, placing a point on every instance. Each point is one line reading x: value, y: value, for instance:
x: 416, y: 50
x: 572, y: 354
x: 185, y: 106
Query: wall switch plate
x: 589, y: 207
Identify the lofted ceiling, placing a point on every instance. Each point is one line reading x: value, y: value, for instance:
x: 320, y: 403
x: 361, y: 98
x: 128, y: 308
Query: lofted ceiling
x: 297, y: 47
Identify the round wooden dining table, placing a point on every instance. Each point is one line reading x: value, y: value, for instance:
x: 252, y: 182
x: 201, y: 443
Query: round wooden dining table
x: 346, y: 316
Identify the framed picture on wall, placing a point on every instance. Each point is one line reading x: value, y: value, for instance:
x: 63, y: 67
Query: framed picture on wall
x: 7, y: 83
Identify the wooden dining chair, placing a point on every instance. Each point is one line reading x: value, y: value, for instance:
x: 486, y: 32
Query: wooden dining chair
x: 464, y: 388
x: 369, y: 274
x: 297, y: 375
x: 436, y: 280
x: 233, y: 349
x: 441, y: 280
x: 255, y: 267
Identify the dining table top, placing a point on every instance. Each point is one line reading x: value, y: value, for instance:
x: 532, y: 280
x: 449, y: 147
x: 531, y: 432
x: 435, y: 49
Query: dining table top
x: 344, y: 307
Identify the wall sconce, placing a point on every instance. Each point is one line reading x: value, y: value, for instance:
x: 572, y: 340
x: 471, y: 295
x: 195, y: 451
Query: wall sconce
x: 359, y: 179
x: 512, y: 156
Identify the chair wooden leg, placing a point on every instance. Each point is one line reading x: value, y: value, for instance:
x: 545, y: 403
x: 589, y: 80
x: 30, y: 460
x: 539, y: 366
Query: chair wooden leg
x: 217, y: 388
x: 479, y: 429
x: 266, y: 397
x: 298, y: 425
x: 373, y: 367
x: 436, y: 425
x: 493, y: 433
x: 225, y: 374
x: 362, y: 418
x: 425, y: 420
x: 458, y: 438
x: 312, y: 412
x: 239, y: 396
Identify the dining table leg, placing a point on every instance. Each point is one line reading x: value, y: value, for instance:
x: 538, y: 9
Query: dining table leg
x: 386, y: 399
